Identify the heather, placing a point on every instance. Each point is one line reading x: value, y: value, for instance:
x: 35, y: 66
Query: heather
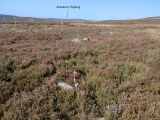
x: 118, y: 71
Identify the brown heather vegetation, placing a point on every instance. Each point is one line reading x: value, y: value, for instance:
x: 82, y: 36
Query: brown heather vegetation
x: 118, y: 71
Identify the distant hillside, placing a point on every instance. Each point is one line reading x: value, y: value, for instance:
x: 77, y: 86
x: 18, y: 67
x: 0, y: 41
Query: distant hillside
x: 7, y: 16
x: 157, y: 17
x: 147, y: 20
x: 10, y: 18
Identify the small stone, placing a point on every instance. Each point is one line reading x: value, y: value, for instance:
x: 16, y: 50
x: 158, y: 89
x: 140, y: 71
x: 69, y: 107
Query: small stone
x: 111, y: 33
x: 76, y: 40
x: 85, y: 39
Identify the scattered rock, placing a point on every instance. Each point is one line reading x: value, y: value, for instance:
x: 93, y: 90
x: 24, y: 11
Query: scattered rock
x: 85, y: 39
x: 111, y: 33
x: 65, y: 86
x: 101, y: 118
x: 29, y: 30
x: 76, y: 40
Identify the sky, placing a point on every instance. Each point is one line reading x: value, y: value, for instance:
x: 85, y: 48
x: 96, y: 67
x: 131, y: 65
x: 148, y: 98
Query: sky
x: 89, y: 9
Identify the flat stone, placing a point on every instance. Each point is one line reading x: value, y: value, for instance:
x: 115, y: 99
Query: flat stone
x: 85, y: 39
x: 76, y: 40
x: 65, y: 86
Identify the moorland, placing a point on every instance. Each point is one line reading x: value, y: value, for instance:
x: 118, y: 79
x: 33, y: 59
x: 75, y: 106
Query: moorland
x: 118, y: 70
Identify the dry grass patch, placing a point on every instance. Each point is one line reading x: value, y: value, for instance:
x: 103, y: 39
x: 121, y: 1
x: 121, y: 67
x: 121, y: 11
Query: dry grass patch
x: 152, y: 32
